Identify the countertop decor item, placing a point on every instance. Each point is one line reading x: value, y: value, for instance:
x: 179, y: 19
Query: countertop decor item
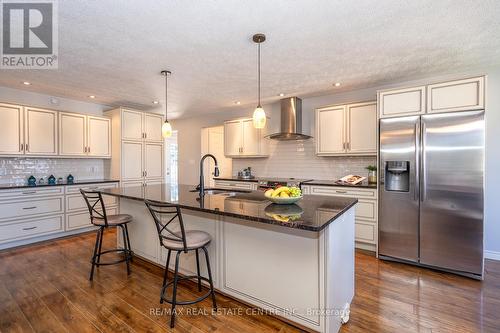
x: 166, y: 129
x: 52, y: 180
x: 259, y: 115
x: 59, y: 180
x: 372, y: 174
x: 32, y: 181
x: 41, y: 181
x: 284, y: 195
x: 70, y: 179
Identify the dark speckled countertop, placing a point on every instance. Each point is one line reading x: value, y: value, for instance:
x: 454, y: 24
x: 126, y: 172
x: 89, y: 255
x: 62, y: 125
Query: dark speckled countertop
x: 12, y: 186
x: 312, y: 212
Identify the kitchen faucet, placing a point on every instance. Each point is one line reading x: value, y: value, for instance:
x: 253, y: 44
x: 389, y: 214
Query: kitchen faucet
x: 202, y: 178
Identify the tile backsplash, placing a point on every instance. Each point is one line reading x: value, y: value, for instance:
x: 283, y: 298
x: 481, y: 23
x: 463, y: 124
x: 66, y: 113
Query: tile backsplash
x: 298, y: 159
x: 18, y: 169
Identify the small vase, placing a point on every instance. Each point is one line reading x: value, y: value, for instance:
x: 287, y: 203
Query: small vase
x: 372, y: 177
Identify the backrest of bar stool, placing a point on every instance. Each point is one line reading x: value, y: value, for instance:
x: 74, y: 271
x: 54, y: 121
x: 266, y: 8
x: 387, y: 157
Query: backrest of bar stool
x: 94, y: 203
x: 163, y: 211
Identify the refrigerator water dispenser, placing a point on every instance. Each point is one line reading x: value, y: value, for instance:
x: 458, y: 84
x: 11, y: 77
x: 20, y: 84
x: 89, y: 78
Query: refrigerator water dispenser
x: 397, y: 176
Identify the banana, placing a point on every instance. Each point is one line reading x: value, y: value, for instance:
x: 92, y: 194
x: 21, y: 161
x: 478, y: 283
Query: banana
x: 269, y: 192
x: 279, y: 190
x: 284, y: 195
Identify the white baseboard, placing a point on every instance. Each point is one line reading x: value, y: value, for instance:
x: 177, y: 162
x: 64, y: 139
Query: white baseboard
x: 492, y: 255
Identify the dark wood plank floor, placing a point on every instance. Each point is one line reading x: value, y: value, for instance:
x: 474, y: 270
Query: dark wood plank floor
x: 44, y: 288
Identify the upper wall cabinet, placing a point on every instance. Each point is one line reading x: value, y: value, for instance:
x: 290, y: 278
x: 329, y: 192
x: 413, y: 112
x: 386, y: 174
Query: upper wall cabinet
x: 241, y: 139
x: 84, y: 136
x: 347, y: 130
x: 11, y: 129
x: 459, y: 95
x: 140, y: 126
x: 402, y: 102
x: 40, y: 132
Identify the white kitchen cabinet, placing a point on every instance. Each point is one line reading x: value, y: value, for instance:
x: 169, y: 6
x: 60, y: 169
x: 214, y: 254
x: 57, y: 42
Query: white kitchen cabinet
x: 241, y: 139
x: 84, y: 136
x: 344, y: 130
x: 460, y: 95
x: 98, y: 136
x: 402, y: 102
x: 152, y: 127
x: 331, y: 130
x: 139, y: 146
x: 362, y: 128
x: 131, y: 125
x: 40, y: 132
x: 232, y: 138
x: 132, y: 168
x: 366, y: 214
x: 72, y: 134
x: 153, y: 160
x: 11, y: 129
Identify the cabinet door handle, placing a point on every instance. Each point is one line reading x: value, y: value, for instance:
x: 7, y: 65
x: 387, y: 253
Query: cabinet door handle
x: 29, y: 228
x: 22, y: 147
x: 145, y: 135
x: 30, y: 192
x: 32, y: 207
x: 88, y: 149
x: 343, y: 192
x: 145, y: 173
x: 348, y: 145
x: 26, y: 147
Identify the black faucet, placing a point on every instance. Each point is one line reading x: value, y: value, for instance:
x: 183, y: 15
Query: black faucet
x: 202, y: 178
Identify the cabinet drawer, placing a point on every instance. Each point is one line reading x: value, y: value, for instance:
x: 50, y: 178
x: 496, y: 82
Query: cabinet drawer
x: 26, y: 229
x: 458, y: 95
x: 31, y: 192
x: 343, y: 191
x: 237, y: 185
x: 366, y: 209
x: 76, y: 202
x: 82, y: 219
x: 17, y: 209
x: 89, y: 187
x: 365, y: 232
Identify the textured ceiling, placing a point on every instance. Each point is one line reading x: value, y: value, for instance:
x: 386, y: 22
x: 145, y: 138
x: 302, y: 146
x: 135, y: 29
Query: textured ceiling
x: 116, y: 49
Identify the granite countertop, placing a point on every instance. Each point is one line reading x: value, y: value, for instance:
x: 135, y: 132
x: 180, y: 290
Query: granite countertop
x: 313, y: 212
x: 363, y: 184
x: 76, y: 182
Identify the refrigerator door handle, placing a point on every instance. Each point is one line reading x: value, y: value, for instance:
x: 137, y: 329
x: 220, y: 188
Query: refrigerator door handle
x: 416, y: 188
x: 423, y: 184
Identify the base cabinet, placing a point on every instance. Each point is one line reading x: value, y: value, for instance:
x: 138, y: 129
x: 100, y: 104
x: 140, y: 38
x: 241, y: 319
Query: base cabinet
x: 366, y: 228
x: 29, y: 215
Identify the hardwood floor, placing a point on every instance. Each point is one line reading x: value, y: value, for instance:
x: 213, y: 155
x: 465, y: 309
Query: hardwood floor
x: 44, y: 288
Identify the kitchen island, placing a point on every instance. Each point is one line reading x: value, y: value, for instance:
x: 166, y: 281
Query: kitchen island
x: 294, y: 261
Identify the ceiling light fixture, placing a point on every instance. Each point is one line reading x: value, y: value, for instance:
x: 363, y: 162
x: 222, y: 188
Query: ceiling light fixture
x: 237, y: 102
x: 166, y: 129
x: 91, y: 96
x: 259, y: 115
x: 26, y: 83
x: 155, y: 102
x: 337, y: 84
x: 281, y: 94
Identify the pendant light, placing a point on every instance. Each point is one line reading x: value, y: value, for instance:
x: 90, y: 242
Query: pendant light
x: 166, y: 129
x: 259, y: 115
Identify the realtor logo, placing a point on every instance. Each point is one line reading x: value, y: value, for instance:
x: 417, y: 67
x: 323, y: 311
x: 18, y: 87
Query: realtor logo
x: 29, y: 34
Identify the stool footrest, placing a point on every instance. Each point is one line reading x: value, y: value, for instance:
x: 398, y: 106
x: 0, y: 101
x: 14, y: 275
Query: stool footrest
x: 128, y: 255
x: 181, y: 278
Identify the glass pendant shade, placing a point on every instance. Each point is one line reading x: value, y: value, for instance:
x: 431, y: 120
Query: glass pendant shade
x: 166, y: 130
x: 259, y: 117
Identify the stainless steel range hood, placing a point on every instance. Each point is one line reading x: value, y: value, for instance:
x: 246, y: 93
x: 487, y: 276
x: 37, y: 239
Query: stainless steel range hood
x: 291, y: 121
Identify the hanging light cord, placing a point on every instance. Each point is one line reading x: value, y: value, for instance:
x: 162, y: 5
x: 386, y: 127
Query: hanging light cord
x: 259, y: 74
x: 166, y: 96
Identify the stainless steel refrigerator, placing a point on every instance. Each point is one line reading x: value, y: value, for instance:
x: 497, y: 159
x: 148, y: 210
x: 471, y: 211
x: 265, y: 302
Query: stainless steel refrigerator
x: 431, y: 191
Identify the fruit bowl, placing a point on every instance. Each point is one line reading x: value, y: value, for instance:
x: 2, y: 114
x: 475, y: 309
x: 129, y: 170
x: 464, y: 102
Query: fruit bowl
x: 284, y: 201
x: 284, y: 195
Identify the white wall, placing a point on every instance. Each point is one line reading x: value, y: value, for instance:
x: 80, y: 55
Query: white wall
x: 23, y: 97
x: 190, y: 131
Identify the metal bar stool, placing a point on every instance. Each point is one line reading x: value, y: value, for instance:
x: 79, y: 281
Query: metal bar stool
x: 99, y: 218
x: 180, y: 241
